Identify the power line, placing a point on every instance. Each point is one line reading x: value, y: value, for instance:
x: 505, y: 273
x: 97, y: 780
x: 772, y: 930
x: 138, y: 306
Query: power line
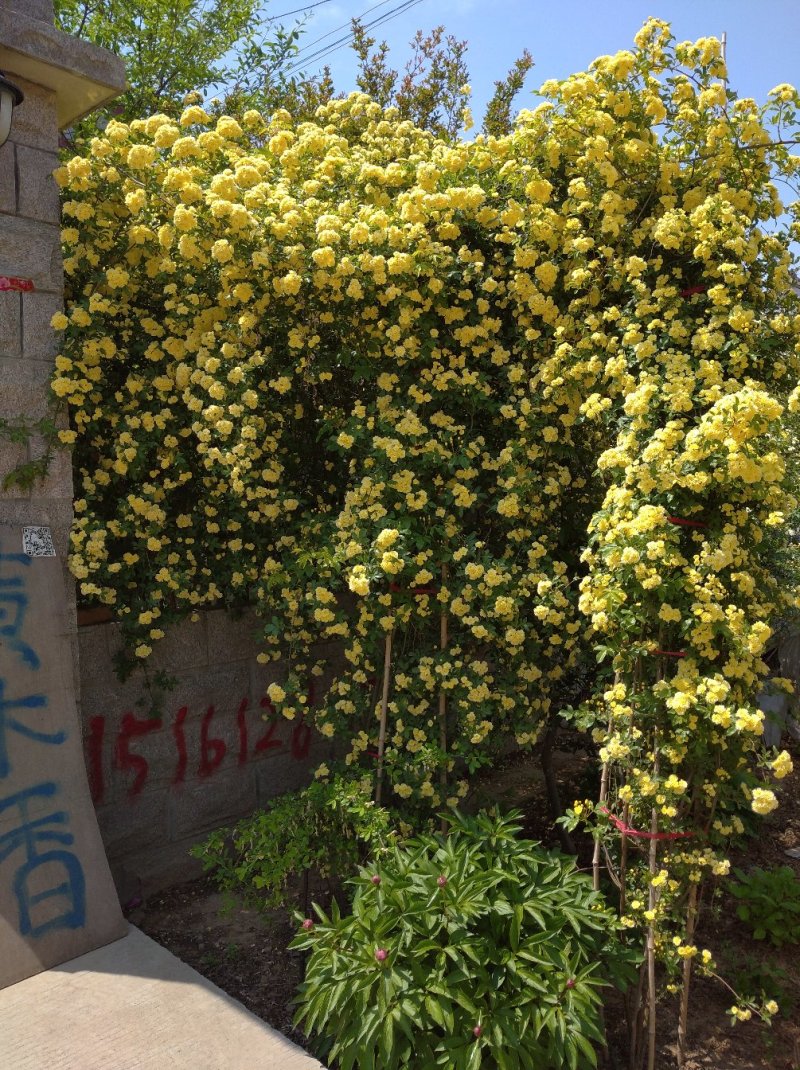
x: 347, y: 39
x: 298, y: 10
x: 337, y: 29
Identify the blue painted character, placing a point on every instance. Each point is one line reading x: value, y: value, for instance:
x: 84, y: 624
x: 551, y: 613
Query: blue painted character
x: 11, y: 724
x: 49, y: 885
x: 13, y: 603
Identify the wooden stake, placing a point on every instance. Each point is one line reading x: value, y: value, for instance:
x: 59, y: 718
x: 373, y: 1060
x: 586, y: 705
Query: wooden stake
x: 683, y: 1018
x: 596, y: 855
x: 652, y: 900
x: 443, y: 642
x: 623, y: 859
x: 387, y: 668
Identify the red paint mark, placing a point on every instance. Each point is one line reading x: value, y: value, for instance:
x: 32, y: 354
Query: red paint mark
x: 10, y: 282
x: 180, y: 743
x: 94, y: 755
x: 132, y: 728
x: 414, y: 590
x: 644, y: 835
x: 241, y: 724
x: 686, y: 523
x: 301, y: 741
x: 212, y: 751
x: 267, y: 742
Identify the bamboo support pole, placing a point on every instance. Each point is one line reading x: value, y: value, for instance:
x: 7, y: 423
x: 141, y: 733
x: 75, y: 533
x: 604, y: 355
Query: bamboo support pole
x: 683, y: 1017
x: 443, y: 642
x: 652, y: 900
x: 597, y: 845
x: 623, y: 859
x: 387, y: 668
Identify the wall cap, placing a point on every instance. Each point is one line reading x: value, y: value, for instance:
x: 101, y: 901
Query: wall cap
x: 82, y: 76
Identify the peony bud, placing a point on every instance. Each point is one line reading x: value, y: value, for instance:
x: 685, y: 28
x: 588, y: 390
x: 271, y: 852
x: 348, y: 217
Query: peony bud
x: 381, y: 953
x: 441, y: 881
x: 308, y: 925
x: 476, y: 1032
x: 375, y: 879
x: 570, y: 982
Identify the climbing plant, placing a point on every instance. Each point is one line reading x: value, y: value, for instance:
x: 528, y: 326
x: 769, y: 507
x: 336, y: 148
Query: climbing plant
x: 463, y: 417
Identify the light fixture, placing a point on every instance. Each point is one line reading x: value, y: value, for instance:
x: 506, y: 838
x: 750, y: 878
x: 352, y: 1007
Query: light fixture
x: 10, y: 97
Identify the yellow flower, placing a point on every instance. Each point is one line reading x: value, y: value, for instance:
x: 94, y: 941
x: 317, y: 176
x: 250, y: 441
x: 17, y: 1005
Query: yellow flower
x: 669, y: 613
x: 358, y: 581
x: 782, y: 765
x: 276, y: 693
x: 386, y: 538
x: 222, y: 250
x: 391, y: 562
x: 763, y: 801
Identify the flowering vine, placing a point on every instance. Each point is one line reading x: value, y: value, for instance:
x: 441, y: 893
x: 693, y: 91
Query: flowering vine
x: 460, y: 417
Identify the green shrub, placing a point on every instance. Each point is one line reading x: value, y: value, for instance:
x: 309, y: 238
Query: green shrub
x: 769, y: 901
x: 328, y: 828
x: 476, y: 949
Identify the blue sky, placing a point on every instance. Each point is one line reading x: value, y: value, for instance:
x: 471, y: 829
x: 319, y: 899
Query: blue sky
x: 565, y: 35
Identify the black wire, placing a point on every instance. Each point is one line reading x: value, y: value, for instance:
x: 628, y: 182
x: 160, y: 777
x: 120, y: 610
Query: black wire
x: 298, y: 10
x: 334, y: 46
x: 344, y: 26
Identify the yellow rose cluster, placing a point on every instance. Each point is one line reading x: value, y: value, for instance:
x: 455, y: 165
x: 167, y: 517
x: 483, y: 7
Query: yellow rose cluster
x: 515, y: 403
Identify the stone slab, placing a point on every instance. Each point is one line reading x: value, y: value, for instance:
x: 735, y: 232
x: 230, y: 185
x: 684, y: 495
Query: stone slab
x: 35, y: 9
x: 135, y: 1006
x: 197, y: 808
x: 226, y: 632
x: 39, y: 340
x: 82, y: 75
x: 57, y: 899
x: 35, y: 122
x: 30, y: 249
x: 37, y: 195
x: 10, y: 323
x: 8, y: 178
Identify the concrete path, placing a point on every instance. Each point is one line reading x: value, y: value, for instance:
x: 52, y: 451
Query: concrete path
x: 132, y: 1005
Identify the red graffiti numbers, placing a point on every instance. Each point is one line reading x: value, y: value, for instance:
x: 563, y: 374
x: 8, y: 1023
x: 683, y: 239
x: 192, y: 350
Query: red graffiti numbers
x: 301, y: 741
x: 268, y: 741
x: 94, y: 757
x: 132, y: 728
x: 241, y: 724
x: 180, y: 745
x: 213, y: 749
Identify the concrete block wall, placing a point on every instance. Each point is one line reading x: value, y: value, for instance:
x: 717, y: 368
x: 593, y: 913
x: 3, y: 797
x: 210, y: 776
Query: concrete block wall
x: 160, y: 784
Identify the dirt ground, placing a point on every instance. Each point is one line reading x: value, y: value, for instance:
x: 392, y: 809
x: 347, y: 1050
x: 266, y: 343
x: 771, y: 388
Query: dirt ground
x: 244, y: 951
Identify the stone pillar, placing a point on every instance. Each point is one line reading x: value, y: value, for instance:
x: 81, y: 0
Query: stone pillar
x: 57, y: 899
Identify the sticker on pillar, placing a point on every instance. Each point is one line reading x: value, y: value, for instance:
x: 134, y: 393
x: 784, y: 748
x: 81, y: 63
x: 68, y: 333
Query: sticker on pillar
x: 38, y: 542
x: 9, y: 282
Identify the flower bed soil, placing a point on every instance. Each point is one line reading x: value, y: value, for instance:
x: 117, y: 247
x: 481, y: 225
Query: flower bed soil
x: 245, y: 953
